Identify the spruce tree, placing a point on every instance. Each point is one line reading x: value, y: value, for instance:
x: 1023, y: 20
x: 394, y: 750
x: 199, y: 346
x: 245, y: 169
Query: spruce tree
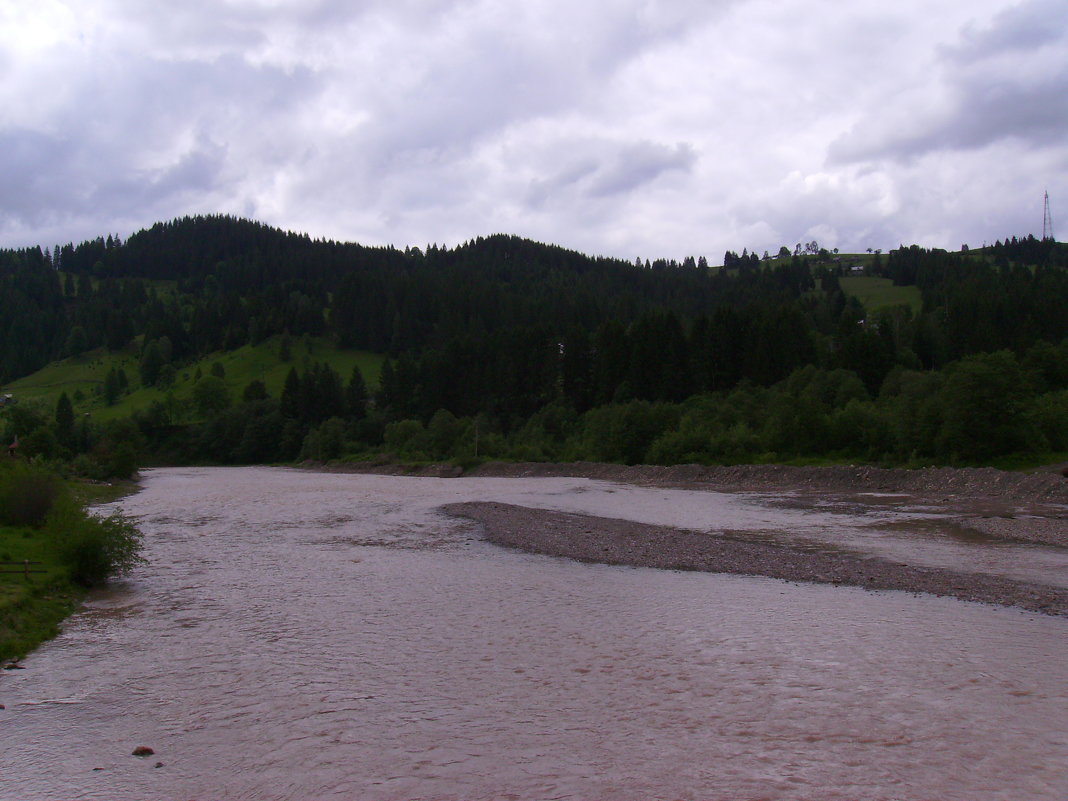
x: 356, y: 395
x: 64, y: 419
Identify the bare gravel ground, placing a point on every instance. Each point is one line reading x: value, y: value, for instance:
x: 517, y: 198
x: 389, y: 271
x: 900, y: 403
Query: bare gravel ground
x: 1030, y: 507
x: 1027, y: 507
x: 621, y: 542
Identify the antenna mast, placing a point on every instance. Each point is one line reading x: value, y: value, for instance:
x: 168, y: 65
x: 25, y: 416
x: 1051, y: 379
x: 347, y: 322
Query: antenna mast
x: 1047, y: 221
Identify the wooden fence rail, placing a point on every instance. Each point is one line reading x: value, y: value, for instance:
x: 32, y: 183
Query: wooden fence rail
x: 24, y: 565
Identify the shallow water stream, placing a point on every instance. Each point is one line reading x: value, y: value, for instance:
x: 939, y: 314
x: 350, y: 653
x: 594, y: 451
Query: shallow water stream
x: 303, y: 636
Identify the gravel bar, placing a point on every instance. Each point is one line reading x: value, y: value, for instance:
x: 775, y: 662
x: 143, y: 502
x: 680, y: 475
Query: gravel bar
x: 620, y: 542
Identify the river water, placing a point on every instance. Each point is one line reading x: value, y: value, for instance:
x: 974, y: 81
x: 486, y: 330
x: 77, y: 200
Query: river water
x: 304, y: 636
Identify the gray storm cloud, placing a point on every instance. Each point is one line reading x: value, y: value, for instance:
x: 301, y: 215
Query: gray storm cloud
x: 1009, y: 80
x: 659, y: 127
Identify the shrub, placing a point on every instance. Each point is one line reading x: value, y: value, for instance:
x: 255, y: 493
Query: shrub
x: 325, y: 442
x: 117, y: 451
x: 27, y: 495
x: 984, y: 399
x: 405, y: 438
x: 443, y: 433
x: 210, y: 395
x: 624, y: 432
x: 1051, y: 415
x: 739, y: 443
x: 94, y: 548
x: 40, y: 442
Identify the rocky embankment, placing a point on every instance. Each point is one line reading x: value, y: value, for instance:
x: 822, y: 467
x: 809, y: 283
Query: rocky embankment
x: 621, y: 542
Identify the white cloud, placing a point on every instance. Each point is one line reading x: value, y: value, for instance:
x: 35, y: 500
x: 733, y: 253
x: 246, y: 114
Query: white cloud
x: 651, y: 127
x: 1007, y: 79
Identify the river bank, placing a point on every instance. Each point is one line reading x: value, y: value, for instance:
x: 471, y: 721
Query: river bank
x: 298, y: 634
x: 1022, y: 507
x: 34, y: 603
x: 1025, y: 507
x: 1001, y: 505
x: 621, y: 542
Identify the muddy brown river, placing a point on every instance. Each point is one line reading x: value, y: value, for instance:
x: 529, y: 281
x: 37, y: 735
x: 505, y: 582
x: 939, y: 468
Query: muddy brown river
x: 306, y: 636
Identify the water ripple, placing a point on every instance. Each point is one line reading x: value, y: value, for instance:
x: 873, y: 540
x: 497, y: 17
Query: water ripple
x: 328, y: 636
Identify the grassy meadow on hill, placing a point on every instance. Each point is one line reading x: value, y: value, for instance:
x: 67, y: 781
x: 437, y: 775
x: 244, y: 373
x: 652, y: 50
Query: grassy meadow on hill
x: 82, y: 377
x: 877, y: 293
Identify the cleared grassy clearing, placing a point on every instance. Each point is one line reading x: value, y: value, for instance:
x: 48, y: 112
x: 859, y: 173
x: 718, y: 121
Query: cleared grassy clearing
x: 878, y: 293
x: 86, y: 374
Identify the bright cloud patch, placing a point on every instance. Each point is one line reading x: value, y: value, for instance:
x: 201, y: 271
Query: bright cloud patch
x: 628, y: 128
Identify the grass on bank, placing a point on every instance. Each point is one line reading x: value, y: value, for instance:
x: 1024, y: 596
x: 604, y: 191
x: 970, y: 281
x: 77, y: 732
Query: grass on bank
x: 43, y: 522
x: 92, y: 493
x: 1028, y: 462
x: 33, y: 606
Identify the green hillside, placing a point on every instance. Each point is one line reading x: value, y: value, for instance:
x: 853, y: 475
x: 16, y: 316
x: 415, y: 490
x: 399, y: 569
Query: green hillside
x: 547, y: 353
x: 82, y: 377
x: 877, y: 293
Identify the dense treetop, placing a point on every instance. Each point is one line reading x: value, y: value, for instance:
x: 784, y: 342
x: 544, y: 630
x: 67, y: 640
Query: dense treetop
x: 503, y: 328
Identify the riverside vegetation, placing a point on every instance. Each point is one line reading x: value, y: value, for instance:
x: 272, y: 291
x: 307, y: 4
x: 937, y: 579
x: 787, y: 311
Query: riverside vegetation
x: 52, y: 550
x: 216, y: 340
x: 219, y: 340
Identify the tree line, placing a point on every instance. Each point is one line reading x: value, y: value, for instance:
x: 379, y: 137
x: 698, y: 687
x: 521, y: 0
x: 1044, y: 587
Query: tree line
x: 535, y: 351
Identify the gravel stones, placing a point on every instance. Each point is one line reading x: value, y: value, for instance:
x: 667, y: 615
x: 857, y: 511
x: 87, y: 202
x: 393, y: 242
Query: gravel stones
x: 622, y: 542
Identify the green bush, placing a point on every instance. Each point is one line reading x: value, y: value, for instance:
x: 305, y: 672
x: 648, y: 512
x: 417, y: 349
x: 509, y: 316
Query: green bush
x: 405, y: 438
x: 685, y: 446
x: 41, y: 442
x: 985, y: 398
x: 27, y: 494
x: 739, y: 443
x: 325, y: 442
x: 623, y: 432
x: 1051, y: 416
x: 117, y: 452
x: 210, y: 395
x: 443, y: 434
x: 95, y: 548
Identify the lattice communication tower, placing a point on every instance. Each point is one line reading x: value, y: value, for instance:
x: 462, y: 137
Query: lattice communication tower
x: 1047, y: 221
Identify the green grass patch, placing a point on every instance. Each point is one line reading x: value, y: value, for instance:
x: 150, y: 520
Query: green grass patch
x: 879, y: 293
x: 261, y: 362
x: 18, y: 544
x: 1028, y: 462
x: 50, y: 552
x: 33, y: 606
x: 35, y: 617
x: 85, y: 374
x: 836, y: 260
x: 91, y: 493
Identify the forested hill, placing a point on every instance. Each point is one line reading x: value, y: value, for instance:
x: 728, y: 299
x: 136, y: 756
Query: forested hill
x: 239, y: 281
x: 512, y: 330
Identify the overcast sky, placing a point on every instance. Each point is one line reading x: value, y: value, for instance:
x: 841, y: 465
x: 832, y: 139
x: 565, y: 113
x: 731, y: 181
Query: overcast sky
x: 631, y: 128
